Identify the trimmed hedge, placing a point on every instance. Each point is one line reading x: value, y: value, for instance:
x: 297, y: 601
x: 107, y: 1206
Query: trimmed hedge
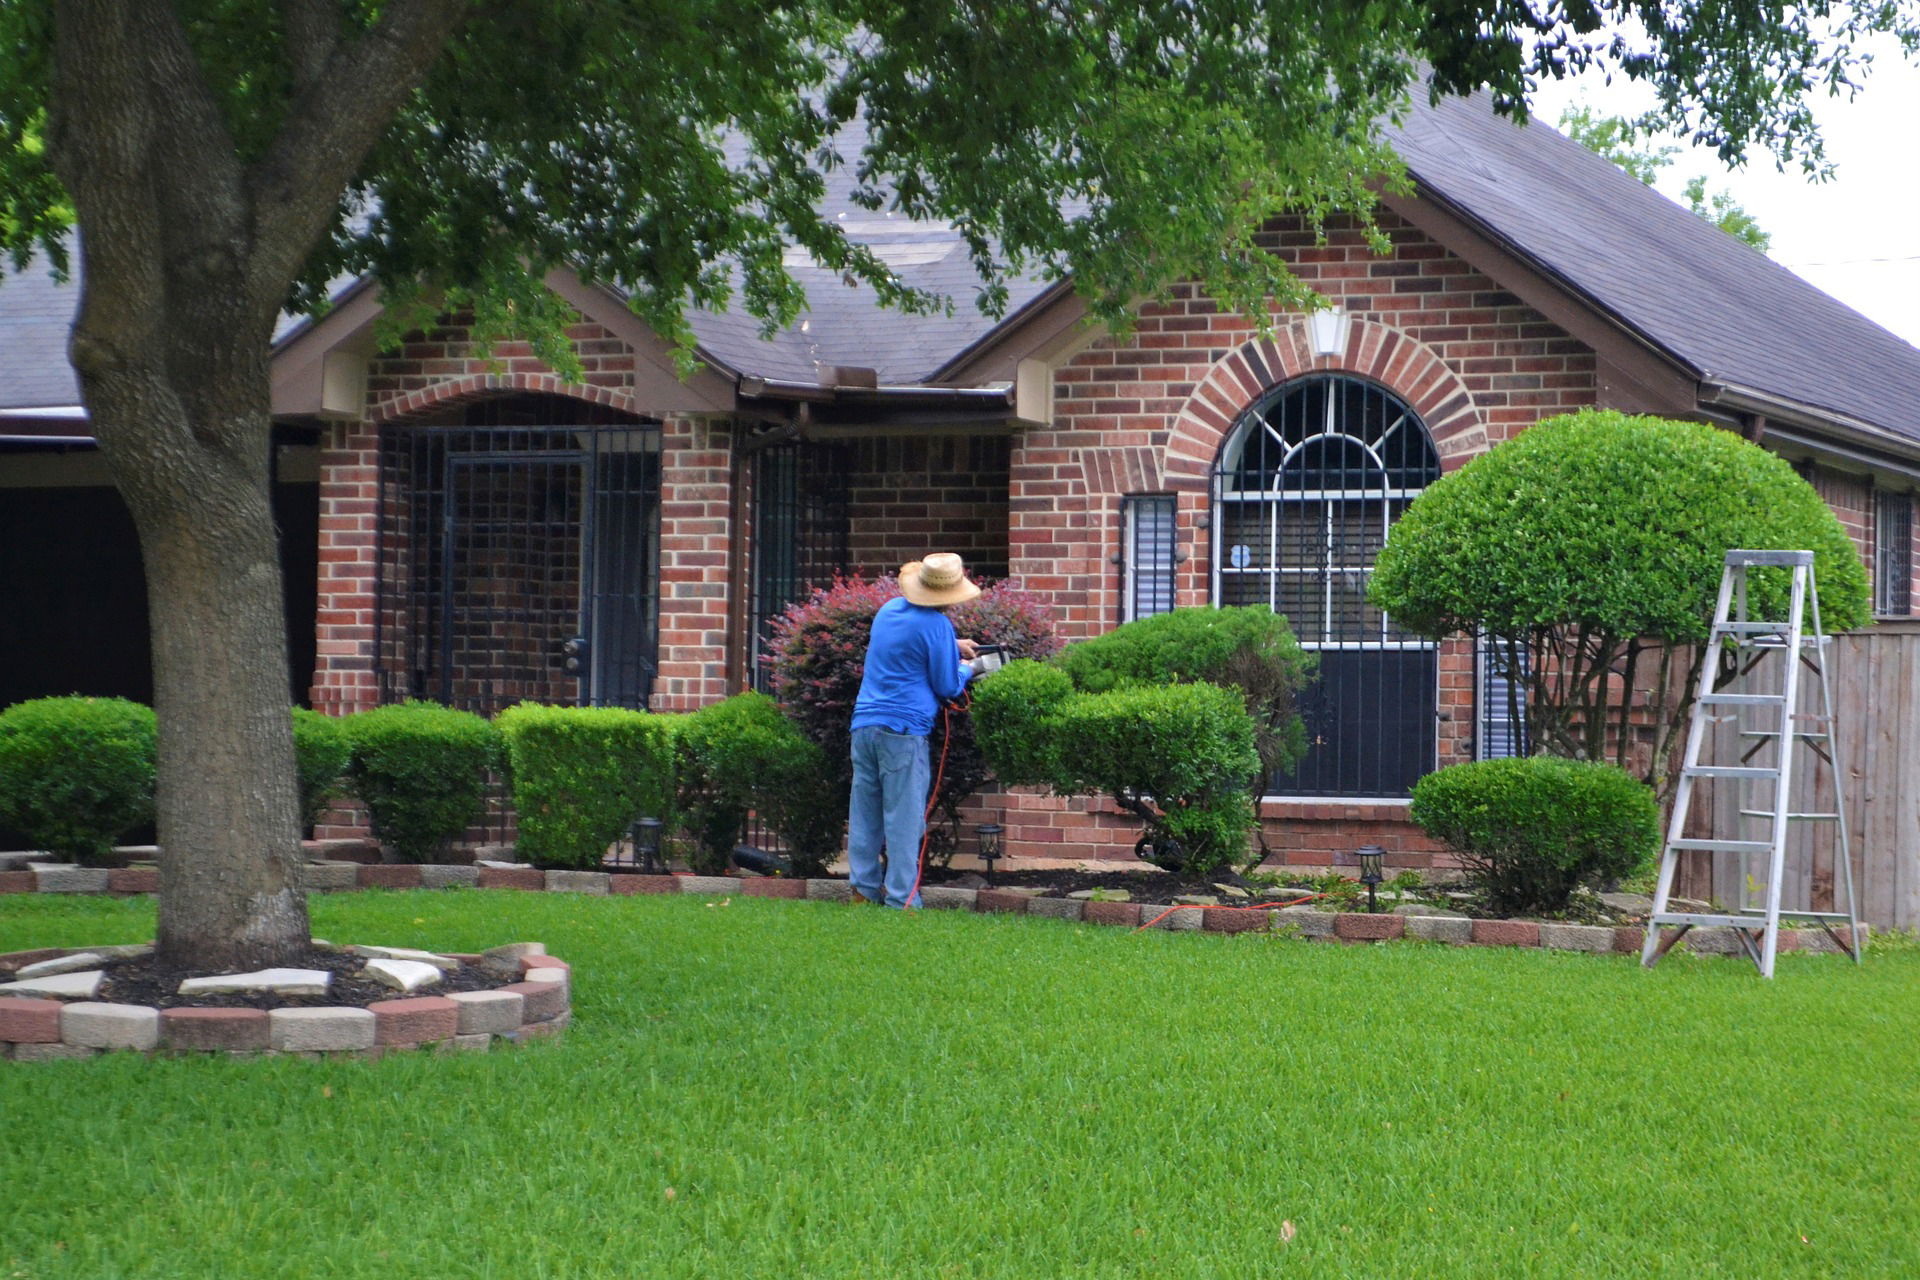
x: 76, y: 773
x: 1530, y: 831
x: 742, y: 756
x: 320, y: 754
x: 421, y: 769
x: 581, y: 775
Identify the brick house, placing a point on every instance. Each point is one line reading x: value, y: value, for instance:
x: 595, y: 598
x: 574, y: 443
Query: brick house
x: 472, y: 528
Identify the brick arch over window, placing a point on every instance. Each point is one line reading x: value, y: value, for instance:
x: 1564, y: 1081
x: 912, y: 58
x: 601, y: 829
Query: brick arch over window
x: 456, y: 391
x: 1403, y: 365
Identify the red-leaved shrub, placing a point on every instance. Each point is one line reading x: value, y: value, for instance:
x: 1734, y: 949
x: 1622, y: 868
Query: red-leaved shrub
x: 817, y: 652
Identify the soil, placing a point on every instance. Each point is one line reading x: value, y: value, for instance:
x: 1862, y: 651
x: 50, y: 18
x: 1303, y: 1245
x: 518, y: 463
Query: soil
x: 141, y: 981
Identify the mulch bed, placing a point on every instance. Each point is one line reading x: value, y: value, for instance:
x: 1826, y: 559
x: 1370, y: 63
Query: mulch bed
x: 1144, y: 886
x: 142, y: 981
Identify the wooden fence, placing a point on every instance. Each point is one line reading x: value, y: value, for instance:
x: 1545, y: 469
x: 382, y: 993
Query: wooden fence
x: 1875, y: 677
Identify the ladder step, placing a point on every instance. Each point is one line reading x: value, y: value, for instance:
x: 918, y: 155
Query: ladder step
x: 1728, y: 771
x: 1724, y: 846
x: 1739, y: 556
x: 1744, y: 700
x: 1792, y: 817
x: 1751, y: 628
x: 1803, y: 734
x: 1692, y: 917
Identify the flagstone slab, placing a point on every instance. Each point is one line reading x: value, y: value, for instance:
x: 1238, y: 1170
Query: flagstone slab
x: 63, y: 964
x: 279, y: 982
x: 403, y: 975
x: 60, y: 986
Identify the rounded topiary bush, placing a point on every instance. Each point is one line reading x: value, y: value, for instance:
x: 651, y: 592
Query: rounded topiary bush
x: 1249, y: 648
x: 320, y: 752
x: 581, y: 775
x: 1530, y: 831
x: 421, y: 769
x: 76, y: 773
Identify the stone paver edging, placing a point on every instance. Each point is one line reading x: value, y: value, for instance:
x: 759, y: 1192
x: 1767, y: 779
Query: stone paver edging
x: 1302, y: 922
x: 537, y: 1006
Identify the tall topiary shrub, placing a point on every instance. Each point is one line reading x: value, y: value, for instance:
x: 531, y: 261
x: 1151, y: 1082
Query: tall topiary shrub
x: 1590, y: 549
x: 1179, y: 757
x: 76, y: 773
x: 1530, y: 831
x: 421, y: 769
x: 320, y: 753
x: 581, y: 775
x: 1250, y: 648
x: 817, y: 653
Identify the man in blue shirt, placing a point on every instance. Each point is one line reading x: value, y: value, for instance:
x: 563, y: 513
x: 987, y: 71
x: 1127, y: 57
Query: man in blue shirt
x: 914, y: 662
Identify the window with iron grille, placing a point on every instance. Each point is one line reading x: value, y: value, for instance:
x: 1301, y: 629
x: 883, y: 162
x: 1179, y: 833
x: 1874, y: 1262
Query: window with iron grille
x: 1148, y: 548
x: 518, y: 563
x: 800, y: 532
x: 1893, y: 554
x: 1502, y: 699
x: 1310, y: 480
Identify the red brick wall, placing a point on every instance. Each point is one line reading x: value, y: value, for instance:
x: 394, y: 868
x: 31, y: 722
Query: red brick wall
x: 1150, y: 414
x: 432, y: 375
x: 909, y: 495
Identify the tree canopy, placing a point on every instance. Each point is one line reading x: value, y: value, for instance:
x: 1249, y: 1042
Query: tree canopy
x: 225, y: 159
x: 1595, y: 540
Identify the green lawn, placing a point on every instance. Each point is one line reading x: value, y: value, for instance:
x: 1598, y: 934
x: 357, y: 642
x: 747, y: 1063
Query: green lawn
x: 768, y: 1089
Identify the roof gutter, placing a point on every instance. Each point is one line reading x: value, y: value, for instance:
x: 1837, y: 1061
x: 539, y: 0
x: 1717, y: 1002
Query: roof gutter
x: 1783, y: 415
x: 779, y: 389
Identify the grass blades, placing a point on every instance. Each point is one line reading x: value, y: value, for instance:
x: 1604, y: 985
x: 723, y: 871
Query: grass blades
x: 768, y: 1089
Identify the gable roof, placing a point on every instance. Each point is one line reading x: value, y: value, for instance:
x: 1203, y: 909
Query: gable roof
x: 1722, y: 309
x: 36, y: 320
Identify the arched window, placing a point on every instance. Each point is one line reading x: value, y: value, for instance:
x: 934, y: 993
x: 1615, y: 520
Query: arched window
x: 1310, y: 480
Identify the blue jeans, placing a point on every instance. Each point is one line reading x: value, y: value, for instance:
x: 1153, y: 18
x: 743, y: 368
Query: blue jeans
x: 888, y: 808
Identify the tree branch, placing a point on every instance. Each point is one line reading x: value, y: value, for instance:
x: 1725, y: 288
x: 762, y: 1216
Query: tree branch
x: 335, y: 120
x: 312, y: 33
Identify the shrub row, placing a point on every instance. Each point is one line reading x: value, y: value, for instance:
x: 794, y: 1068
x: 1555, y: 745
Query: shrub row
x: 77, y: 773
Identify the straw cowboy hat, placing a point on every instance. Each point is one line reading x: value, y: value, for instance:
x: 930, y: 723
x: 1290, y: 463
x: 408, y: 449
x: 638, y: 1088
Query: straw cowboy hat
x: 939, y: 579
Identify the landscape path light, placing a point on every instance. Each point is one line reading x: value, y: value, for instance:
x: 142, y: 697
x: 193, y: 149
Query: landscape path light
x: 646, y: 843
x: 989, y: 833
x: 1370, y: 856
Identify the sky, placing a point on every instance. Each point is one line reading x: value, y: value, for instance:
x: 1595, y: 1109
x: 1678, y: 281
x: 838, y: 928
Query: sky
x: 1857, y: 237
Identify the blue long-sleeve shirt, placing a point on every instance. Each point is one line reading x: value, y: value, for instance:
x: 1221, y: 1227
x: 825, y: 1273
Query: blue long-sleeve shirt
x: 913, y: 662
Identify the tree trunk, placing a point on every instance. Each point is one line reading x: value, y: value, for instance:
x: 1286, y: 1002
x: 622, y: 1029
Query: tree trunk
x: 189, y: 249
x: 227, y: 803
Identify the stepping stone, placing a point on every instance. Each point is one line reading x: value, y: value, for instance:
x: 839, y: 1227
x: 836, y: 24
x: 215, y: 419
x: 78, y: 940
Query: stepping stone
x: 62, y: 964
x: 279, y: 982
x: 402, y: 975
x: 438, y: 961
x: 64, y: 986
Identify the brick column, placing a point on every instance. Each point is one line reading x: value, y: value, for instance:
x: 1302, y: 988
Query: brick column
x: 696, y: 531
x: 343, y: 675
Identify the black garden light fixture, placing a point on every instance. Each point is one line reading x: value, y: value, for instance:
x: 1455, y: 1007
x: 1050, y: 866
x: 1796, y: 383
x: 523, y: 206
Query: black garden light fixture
x: 989, y: 833
x: 646, y: 843
x: 1370, y: 856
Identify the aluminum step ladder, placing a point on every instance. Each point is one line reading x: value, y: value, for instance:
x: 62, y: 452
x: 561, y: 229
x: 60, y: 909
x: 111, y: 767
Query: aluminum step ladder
x: 1761, y: 697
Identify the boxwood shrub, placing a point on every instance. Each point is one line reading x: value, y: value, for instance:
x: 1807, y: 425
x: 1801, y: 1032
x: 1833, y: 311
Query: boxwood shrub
x: 1531, y: 831
x: 421, y: 769
x: 76, y: 773
x: 1249, y: 648
x: 1180, y: 757
x: 581, y: 775
x: 742, y: 757
x: 320, y: 751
